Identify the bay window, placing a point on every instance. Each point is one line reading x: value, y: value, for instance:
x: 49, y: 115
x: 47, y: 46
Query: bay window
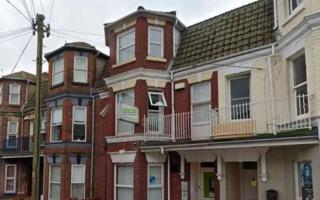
x: 54, y: 182
x: 155, y: 44
x: 14, y: 94
x: 125, y: 98
x: 126, y: 46
x: 80, y: 72
x: 124, y: 182
x: 12, y: 134
x: 79, y: 123
x: 56, y: 124
x: 10, y: 178
x: 57, y: 71
x: 240, y: 98
x: 155, y: 182
x: 201, y: 102
x: 78, y: 181
x: 300, y: 89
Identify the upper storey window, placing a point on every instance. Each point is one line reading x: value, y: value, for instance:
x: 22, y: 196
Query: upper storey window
x: 57, y: 71
x: 293, y: 4
x: 0, y: 93
x: 80, y: 74
x: 155, y: 47
x: 14, y: 94
x: 126, y: 46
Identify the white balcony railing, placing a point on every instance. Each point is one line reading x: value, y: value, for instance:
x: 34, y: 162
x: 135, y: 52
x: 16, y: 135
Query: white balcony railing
x: 237, y: 120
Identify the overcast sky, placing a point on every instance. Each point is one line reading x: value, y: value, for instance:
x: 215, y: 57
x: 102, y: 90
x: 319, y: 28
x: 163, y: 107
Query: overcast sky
x: 86, y: 16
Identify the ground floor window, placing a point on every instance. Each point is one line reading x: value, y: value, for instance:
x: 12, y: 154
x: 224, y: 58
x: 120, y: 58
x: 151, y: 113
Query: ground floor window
x: 78, y: 181
x: 10, y: 178
x: 124, y: 182
x: 155, y: 182
x: 304, y: 180
x: 55, y: 182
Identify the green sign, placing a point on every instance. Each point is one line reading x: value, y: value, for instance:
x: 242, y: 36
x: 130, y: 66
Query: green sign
x: 129, y: 113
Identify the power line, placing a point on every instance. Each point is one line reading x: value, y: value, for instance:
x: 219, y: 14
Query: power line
x: 51, y: 11
x: 15, y: 30
x: 72, y: 31
x: 26, y: 8
x: 4, y: 36
x: 24, y: 49
x: 17, y: 36
x: 79, y: 38
x: 19, y: 11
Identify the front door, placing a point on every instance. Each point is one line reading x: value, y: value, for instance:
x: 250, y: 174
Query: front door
x: 208, y: 190
x: 249, y: 181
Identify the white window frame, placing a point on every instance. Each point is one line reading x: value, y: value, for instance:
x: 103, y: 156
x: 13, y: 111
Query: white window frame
x: 296, y: 178
x: 157, y: 28
x: 1, y: 92
x: 230, y: 100
x: 115, y: 179
x: 84, y: 183
x: 206, y: 101
x: 50, y: 182
x: 12, y: 134
x: 132, y: 30
x: 75, y: 69
x: 117, y: 115
x: 292, y: 10
x: 161, y: 95
x: 162, y: 179
x: 51, y: 120
x: 11, y: 93
x: 85, y: 123
x: 10, y: 178
x: 54, y: 73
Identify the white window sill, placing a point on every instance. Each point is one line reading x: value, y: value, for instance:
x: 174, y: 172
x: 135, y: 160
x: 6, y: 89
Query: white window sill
x: 156, y: 59
x: 294, y: 13
x: 124, y: 62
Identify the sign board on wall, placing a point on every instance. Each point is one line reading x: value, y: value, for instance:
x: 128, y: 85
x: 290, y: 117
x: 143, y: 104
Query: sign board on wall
x: 129, y: 113
x: 184, y: 190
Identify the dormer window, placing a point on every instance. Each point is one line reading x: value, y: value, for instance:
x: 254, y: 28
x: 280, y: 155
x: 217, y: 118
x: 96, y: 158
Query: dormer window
x: 14, y: 94
x: 293, y: 4
x: 57, y: 71
x: 126, y: 46
x: 155, y: 46
x: 80, y: 73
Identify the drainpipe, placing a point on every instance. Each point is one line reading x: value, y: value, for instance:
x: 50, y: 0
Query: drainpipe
x: 168, y: 172
x: 173, y: 134
x: 92, y: 144
x: 272, y: 90
x: 275, y: 14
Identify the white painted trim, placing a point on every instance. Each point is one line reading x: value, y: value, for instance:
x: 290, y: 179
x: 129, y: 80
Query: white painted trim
x: 18, y: 93
x: 115, y: 180
x: 74, y: 68
x: 125, y: 138
x: 1, y: 93
x: 159, y: 94
x: 162, y: 179
x: 52, y: 109
x: 156, y: 157
x: 85, y: 123
x: 49, y: 186
x: 156, y: 28
x: 127, y: 32
x: 17, y: 156
x: 117, y: 110
x: 54, y: 73
x: 123, y: 156
x: 84, y: 183
x: 14, y: 178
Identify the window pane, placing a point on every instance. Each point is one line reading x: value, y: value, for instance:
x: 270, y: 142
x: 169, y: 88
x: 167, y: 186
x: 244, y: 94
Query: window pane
x: 155, y: 36
x: 201, y: 92
x: 155, y: 194
x: 127, y: 40
x: 12, y: 128
x: 12, y: 142
x: 155, y: 50
x: 56, y: 133
x: 80, y: 76
x: 201, y: 113
x: 55, y: 173
x: 10, y: 185
x: 58, y: 66
x: 78, y: 191
x: 125, y: 127
x: 126, y: 98
x: 79, y: 115
x: 79, y: 131
x: 240, y: 88
x: 14, y: 88
x: 81, y: 63
x: 127, y: 53
x: 124, y: 175
x: 54, y: 191
x: 155, y: 175
x: 58, y: 78
x: 305, y: 178
x: 78, y: 174
x: 14, y: 98
x: 56, y: 116
x: 299, y: 70
x: 302, y: 100
x: 10, y: 171
x: 157, y: 99
x: 124, y: 193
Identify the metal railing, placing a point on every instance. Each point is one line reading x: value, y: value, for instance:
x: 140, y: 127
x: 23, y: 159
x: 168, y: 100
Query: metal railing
x: 17, y: 145
x: 236, y: 120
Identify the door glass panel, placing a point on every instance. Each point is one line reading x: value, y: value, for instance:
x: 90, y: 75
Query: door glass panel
x: 208, y: 185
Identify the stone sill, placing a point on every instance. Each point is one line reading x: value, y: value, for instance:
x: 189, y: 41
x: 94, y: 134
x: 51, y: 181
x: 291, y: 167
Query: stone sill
x: 156, y: 59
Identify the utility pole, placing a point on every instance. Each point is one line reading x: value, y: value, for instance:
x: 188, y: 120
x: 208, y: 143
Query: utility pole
x: 40, y: 28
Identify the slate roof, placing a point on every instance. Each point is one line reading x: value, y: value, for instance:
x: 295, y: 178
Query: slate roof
x: 22, y: 75
x: 241, y: 29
